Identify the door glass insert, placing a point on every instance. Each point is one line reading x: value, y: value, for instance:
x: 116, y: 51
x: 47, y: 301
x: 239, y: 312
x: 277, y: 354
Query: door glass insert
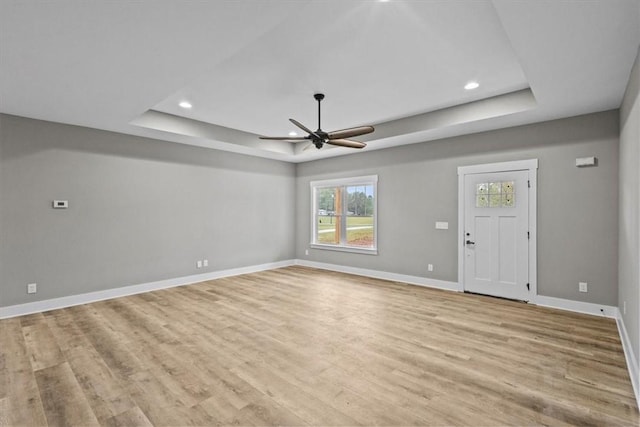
x: 495, y: 194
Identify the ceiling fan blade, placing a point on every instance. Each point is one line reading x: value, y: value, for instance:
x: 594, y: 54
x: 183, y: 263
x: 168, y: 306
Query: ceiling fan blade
x: 349, y: 133
x: 301, y: 126
x: 284, y: 138
x: 346, y: 143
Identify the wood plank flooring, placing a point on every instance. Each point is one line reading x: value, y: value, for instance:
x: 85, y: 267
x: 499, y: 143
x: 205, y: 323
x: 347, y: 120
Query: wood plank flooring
x: 300, y: 346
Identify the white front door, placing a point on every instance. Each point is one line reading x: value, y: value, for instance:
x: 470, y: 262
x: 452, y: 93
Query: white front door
x: 496, y: 234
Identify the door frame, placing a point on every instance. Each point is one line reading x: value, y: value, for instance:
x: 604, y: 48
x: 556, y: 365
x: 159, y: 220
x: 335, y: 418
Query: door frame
x: 530, y: 165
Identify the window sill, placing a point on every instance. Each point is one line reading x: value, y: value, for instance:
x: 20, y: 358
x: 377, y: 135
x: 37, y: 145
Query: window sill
x: 351, y: 249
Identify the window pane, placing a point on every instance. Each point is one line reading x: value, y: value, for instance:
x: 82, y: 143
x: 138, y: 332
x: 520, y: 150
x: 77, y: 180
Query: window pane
x: 482, y: 201
x: 508, y: 200
x: 327, y: 226
x: 360, y: 212
x: 507, y: 187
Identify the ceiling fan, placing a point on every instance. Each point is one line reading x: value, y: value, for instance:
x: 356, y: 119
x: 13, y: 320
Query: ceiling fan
x: 320, y: 137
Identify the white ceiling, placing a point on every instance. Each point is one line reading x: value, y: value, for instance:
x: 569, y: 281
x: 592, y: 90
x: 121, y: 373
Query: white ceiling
x: 249, y: 66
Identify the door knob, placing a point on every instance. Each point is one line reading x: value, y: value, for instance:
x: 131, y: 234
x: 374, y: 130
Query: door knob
x: 469, y: 242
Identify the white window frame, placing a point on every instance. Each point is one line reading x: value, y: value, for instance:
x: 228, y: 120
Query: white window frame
x: 344, y: 182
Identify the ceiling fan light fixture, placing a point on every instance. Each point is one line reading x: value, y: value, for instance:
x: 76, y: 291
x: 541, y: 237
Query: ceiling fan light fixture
x: 185, y: 104
x: 320, y: 137
x: 471, y: 85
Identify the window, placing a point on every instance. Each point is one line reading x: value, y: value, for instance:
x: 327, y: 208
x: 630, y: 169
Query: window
x: 495, y: 194
x: 343, y: 214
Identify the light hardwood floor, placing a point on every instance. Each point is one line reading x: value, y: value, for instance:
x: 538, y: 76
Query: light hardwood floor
x: 299, y: 346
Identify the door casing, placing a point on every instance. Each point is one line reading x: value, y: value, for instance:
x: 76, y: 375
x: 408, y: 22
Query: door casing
x: 530, y: 165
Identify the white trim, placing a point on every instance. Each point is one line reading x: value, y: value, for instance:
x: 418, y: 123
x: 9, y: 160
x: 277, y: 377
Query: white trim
x: 385, y: 275
x: 344, y: 182
x: 515, y: 165
x: 68, y: 301
x: 461, y: 236
x: 351, y: 249
x: 532, y: 166
x: 355, y: 180
x: 577, y: 306
x: 632, y: 361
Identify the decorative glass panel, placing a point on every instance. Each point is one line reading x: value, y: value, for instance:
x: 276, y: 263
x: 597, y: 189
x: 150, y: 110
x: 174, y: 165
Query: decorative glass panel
x: 495, y: 187
x: 508, y: 200
x: 495, y: 194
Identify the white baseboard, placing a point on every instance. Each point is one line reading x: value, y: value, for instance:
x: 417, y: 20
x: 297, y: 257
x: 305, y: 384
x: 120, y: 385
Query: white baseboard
x: 563, y: 304
x: 630, y: 357
x: 377, y: 274
x: 68, y: 301
x: 576, y: 306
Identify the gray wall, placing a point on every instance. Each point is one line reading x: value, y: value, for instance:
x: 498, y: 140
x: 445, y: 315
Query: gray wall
x: 629, y: 237
x: 418, y: 185
x: 141, y: 210
x: 145, y: 210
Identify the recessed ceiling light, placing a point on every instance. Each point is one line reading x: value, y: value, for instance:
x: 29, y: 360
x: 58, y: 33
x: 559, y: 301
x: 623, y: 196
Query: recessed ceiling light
x: 471, y: 85
x: 185, y: 104
x: 293, y: 133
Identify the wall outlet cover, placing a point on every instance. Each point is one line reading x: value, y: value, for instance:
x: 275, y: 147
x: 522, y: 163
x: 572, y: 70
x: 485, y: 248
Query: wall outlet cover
x: 582, y: 286
x: 32, y: 288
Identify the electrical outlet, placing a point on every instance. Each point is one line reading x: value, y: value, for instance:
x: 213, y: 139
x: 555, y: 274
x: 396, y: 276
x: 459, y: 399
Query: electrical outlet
x: 32, y: 288
x: 205, y: 263
x: 306, y: 252
x: 582, y: 286
x: 430, y: 267
x: 198, y: 264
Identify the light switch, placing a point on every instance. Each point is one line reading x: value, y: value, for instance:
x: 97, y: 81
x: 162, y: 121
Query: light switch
x: 60, y: 204
x: 442, y: 225
x: 583, y: 162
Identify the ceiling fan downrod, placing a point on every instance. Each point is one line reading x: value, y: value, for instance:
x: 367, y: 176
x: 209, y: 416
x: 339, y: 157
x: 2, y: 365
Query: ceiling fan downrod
x: 319, y: 97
